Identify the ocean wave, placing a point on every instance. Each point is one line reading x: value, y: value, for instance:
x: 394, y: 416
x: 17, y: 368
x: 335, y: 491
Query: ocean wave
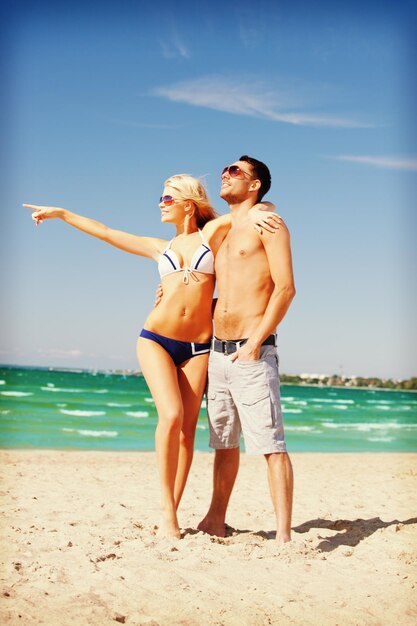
x: 301, y: 428
x: 367, y: 426
x: 201, y: 426
x: 148, y: 399
x: 16, y: 394
x: 118, y: 404
x: 100, y: 391
x: 382, y: 407
x: 380, y: 439
x: 331, y: 401
x: 4, y: 412
x: 92, y: 433
x: 380, y: 401
x: 2, y: 382
x: 137, y: 413
x: 341, y: 407
x: 292, y: 410
x: 83, y: 413
x: 61, y: 390
x: 297, y: 402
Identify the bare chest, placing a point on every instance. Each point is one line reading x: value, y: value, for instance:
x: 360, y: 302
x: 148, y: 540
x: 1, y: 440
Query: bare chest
x: 239, y: 249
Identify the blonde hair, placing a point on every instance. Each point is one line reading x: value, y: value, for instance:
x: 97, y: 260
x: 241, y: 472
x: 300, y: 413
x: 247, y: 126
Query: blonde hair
x: 190, y: 188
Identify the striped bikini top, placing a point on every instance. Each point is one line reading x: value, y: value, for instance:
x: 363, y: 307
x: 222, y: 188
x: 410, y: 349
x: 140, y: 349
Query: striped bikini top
x: 202, y: 261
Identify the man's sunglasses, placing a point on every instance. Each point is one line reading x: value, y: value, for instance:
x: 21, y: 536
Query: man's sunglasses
x: 234, y: 171
x: 168, y: 200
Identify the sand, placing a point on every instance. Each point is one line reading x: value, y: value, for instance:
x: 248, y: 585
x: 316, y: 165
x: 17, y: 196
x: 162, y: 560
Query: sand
x: 79, y: 546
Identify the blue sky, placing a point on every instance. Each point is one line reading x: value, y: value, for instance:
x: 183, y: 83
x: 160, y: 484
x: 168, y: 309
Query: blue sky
x: 104, y: 101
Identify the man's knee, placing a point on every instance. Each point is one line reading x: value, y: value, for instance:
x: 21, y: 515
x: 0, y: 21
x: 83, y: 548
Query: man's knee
x: 277, y: 458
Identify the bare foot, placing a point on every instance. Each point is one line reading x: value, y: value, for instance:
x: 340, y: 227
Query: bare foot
x: 168, y: 530
x: 212, y: 526
x: 168, y: 526
x: 283, y: 538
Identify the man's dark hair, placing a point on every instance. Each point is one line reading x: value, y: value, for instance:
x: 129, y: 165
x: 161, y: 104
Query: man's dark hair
x: 261, y: 172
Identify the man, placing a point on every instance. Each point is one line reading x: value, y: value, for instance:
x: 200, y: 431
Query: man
x: 255, y: 287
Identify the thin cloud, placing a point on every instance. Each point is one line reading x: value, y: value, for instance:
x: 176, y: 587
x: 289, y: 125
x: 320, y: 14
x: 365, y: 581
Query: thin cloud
x: 174, y: 49
x: 241, y: 99
x: 172, y: 46
x: 251, y: 26
x: 386, y: 162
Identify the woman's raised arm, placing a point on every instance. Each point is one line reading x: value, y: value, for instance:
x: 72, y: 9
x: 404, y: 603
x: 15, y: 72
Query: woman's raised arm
x: 143, y: 246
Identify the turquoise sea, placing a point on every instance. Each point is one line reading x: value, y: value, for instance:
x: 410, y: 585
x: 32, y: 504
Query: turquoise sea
x: 41, y: 408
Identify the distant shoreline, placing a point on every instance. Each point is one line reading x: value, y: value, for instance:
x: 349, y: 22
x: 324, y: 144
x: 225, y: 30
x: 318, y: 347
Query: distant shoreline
x: 328, y: 382
x: 353, y: 388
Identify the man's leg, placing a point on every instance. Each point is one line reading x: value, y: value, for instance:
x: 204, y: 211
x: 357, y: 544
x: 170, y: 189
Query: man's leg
x: 281, y: 485
x: 226, y: 465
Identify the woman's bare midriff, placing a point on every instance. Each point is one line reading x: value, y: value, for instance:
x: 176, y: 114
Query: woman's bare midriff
x: 185, y: 311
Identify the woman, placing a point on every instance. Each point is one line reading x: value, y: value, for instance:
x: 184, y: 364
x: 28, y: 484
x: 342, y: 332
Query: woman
x: 173, y: 346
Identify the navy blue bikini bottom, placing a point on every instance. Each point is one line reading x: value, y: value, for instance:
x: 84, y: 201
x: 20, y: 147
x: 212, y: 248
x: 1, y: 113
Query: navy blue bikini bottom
x: 179, y: 351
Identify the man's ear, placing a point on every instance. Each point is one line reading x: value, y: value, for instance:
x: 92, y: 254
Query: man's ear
x: 255, y: 185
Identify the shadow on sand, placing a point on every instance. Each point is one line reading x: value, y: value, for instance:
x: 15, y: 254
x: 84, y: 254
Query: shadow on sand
x: 349, y: 532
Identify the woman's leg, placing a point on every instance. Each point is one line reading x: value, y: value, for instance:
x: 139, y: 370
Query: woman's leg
x: 161, y: 376
x: 192, y: 381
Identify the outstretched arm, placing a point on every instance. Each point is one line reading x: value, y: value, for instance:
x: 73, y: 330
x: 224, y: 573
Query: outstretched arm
x: 143, y: 246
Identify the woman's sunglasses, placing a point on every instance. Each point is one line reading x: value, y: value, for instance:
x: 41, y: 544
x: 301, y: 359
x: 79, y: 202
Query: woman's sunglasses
x: 234, y: 171
x: 168, y: 200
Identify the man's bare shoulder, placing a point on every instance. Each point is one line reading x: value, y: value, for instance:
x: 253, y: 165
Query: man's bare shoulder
x: 278, y: 237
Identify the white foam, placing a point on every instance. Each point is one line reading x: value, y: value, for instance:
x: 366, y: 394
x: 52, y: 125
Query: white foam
x: 2, y: 382
x: 118, y: 404
x: 340, y: 407
x: 367, y: 426
x: 148, y: 399
x: 300, y: 428
x: 382, y: 407
x: 92, y: 433
x: 298, y: 402
x: 59, y: 390
x: 201, y: 427
x: 320, y: 400
x: 5, y: 412
x: 16, y: 394
x: 101, y: 391
x: 383, y: 439
x: 82, y: 413
x: 380, y: 401
x: 137, y: 413
x: 291, y: 410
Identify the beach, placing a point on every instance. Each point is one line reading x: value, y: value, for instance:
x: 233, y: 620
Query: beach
x: 79, y: 544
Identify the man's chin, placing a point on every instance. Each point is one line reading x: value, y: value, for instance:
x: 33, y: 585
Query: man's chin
x: 227, y: 196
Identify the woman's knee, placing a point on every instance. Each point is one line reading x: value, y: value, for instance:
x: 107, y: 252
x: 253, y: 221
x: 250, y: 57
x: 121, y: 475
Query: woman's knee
x: 171, y: 418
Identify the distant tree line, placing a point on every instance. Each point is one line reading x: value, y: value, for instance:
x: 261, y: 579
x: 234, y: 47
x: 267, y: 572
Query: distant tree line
x: 345, y: 381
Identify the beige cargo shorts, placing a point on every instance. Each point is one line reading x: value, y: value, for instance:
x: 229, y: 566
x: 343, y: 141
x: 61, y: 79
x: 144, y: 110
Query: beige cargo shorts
x: 244, y: 397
